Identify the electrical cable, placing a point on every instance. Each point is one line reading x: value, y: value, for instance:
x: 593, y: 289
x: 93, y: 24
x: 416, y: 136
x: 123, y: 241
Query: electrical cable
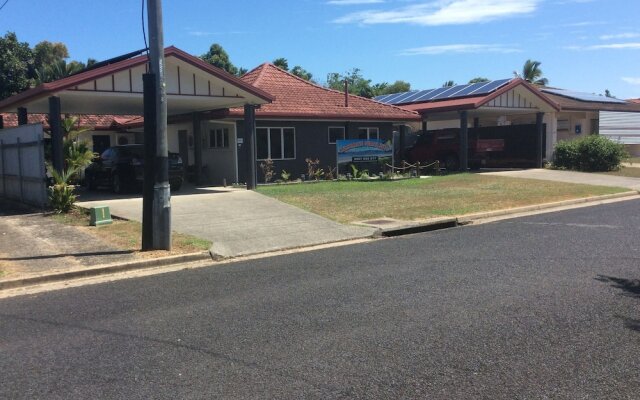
x: 144, y: 33
x: 4, y: 4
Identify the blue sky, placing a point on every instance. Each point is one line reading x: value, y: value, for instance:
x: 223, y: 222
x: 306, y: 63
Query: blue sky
x: 586, y: 45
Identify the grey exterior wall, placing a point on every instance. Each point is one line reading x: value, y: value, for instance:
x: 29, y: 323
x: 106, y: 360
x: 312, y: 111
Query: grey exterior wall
x: 312, y: 141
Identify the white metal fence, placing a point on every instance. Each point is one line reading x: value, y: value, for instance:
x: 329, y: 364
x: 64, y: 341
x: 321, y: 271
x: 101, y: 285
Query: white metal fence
x: 622, y: 127
x: 22, y: 169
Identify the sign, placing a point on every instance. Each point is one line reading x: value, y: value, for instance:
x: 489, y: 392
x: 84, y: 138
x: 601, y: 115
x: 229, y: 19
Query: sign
x: 490, y: 145
x: 373, y: 152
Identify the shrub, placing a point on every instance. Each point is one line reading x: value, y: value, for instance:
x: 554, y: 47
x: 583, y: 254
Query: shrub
x: 61, y: 193
x: 285, y: 175
x: 591, y: 153
x: 267, y: 170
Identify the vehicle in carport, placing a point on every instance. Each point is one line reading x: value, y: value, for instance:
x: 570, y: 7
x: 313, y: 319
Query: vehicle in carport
x: 122, y: 168
x: 494, y: 146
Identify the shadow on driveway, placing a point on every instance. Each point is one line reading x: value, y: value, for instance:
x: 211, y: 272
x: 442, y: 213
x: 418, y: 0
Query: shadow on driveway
x: 630, y: 288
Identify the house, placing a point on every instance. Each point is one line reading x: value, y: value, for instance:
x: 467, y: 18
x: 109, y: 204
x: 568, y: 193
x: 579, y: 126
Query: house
x: 585, y: 113
x: 303, y: 120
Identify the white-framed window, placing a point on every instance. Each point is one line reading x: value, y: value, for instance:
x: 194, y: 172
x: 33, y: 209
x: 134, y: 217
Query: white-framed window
x: 368, y: 133
x: 336, y: 133
x: 219, y: 138
x: 276, y: 143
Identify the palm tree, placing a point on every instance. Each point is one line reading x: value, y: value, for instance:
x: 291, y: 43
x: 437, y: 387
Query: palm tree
x: 532, y: 73
x: 448, y: 84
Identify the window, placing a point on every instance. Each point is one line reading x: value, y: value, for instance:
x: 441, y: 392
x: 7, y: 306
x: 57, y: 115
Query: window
x: 336, y: 133
x: 219, y: 138
x: 276, y: 143
x: 368, y: 133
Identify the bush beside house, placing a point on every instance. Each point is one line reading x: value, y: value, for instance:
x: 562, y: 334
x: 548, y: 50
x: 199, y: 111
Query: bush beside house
x: 592, y: 153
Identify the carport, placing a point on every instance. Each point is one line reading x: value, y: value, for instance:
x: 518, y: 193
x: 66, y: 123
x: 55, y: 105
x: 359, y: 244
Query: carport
x: 115, y: 87
x: 497, y: 109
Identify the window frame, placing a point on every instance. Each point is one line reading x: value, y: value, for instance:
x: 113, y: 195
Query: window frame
x: 215, y: 145
x: 369, y: 129
x: 344, y: 133
x: 282, y: 143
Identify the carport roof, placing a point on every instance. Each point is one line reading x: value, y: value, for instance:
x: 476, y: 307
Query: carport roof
x: 81, y: 93
x: 475, y: 102
x: 567, y: 103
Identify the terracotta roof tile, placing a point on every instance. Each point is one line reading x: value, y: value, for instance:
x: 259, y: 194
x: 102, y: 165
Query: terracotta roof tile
x: 98, y: 122
x: 298, y: 98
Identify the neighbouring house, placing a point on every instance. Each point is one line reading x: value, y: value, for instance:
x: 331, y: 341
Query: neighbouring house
x: 584, y: 113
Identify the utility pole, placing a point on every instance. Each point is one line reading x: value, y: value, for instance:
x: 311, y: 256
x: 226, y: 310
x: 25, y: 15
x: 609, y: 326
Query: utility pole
x: 161, y: 188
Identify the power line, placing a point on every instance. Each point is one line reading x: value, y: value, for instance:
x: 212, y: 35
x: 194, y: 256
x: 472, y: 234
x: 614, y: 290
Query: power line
x: 5, y: 3
x: 144, y: 33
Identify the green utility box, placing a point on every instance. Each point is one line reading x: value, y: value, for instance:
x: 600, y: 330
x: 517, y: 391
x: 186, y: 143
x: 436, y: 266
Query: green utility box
x: 100, y: 215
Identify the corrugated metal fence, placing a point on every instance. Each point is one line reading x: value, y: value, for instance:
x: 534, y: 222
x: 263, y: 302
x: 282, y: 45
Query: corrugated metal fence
x: 622, y: 127
x: 22, y: 169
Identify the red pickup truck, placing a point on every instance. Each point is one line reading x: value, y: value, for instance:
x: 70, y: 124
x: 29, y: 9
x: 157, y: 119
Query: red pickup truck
x: 443, y: 145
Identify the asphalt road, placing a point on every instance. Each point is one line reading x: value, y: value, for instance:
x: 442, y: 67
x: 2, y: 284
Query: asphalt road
x: 543, y: 307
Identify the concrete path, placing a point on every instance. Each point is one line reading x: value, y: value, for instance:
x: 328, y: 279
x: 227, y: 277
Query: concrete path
x: 241, y: 222
x: 573, y: 177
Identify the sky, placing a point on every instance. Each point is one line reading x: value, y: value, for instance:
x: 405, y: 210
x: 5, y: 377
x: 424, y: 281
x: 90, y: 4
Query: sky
x: 583, y: 45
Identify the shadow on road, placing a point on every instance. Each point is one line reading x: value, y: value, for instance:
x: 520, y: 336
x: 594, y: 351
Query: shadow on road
x: 630, y: 288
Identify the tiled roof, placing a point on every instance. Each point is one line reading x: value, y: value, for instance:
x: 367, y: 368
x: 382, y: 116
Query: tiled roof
x: 298, y: 98
x: 98, y: 122
x: 569, y: 104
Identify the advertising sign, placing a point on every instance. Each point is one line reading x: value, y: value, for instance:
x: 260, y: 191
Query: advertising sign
x: 374, y: 153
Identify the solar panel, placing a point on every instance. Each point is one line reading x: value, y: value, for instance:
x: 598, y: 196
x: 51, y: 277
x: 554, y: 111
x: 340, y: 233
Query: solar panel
x: 584, y: 96
x: 491, y: 86
x: 382, y: 97
x: 450, y: 91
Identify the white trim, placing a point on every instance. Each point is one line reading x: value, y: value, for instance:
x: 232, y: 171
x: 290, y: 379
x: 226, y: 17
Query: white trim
x: 282, y: 128
x: 344, y: 133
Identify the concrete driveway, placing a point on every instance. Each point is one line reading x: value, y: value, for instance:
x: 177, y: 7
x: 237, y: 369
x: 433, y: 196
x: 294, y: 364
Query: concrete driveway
x: 238, y: 221
x: 573, y: 177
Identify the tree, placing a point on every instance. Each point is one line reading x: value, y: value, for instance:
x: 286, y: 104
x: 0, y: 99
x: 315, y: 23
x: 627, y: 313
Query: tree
x: 449, y: 84
x: 218, y: 57
x: 301, y: 73
x: 47, y: 53
x: 58, y: 70
x: 479, y: 79
x: 281, y: 63
x: 397, y: 87
x: 358, y: 85
x: 16, y: 65
x: 607, y: 93
x: 532, y: 73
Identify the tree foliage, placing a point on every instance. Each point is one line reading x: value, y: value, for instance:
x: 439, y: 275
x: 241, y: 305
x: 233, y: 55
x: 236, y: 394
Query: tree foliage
x: 358, y: 85
x: 16, y: 65
x: 47, y: 53
x: 449, y: 84
x: 218, y: 57
x: 302, y: 73
x: 532, y: 73
x: 478, y: 79
x: 281, y: 63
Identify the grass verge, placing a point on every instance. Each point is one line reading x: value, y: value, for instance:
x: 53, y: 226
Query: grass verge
x: 414, y: 199
x: 629, y: 172
x: 127, y: 235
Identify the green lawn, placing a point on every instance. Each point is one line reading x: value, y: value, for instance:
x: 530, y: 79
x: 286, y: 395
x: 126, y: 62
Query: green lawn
x: 424, y: 198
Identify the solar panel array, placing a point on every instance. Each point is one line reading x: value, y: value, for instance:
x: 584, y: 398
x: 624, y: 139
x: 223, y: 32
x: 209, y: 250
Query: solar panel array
x: 443, y: 93
x: 584, y: 96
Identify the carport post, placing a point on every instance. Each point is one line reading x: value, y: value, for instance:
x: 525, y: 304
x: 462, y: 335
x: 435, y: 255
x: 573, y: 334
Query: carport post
x: 197, y: 146
x: 250, y: 137
x: 22, y: 116
x: 1, y: 122
x: 401, y: 152
x: 539, y: 139
x: 55, y: 125
x: 463, y: 154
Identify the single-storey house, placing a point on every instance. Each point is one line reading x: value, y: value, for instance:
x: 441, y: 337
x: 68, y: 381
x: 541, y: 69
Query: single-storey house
x: 294, y: 119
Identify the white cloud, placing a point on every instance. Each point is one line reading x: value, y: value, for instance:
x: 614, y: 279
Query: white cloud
x: 444, y: 12
x: 353, y: 2
x: 459, y: 49
x: 610, y: 46
x: 633, y: 81
x: 627, y: 35
x: 583, y: 24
